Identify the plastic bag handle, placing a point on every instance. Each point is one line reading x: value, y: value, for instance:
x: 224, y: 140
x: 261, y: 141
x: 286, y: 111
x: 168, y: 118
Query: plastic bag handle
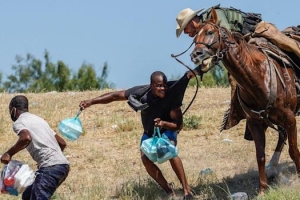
x: 78, y: 113
x: 156, y: 131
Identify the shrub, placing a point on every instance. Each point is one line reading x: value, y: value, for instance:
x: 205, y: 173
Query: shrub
x: 191, y: 122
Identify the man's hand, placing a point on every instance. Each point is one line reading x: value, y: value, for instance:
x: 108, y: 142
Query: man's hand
x: 5, y: 158
x: 85, y: 104
x: 159, y: 123
x: 23, y: 141
x: 190, y: 74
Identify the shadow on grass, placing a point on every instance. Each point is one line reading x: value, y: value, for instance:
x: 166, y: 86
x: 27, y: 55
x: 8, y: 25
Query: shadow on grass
x: 140, y: 190
x: 207, y: 186
x: 210, y: 188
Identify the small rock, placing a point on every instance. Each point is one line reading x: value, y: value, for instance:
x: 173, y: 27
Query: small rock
x: 206, y: 171
x: 114, y: 126
x: 227, y: 140
x: 239, y: 196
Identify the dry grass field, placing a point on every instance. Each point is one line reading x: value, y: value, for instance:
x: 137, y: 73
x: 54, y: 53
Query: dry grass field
x: 105, y: 160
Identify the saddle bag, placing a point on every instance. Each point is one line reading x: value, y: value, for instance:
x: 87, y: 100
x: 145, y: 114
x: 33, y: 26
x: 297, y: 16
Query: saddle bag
x: 270, y: 32
x: 293, y: 32
x: 250, y: 22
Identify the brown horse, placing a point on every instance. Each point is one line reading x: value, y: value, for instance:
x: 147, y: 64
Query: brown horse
x: 265, y: 92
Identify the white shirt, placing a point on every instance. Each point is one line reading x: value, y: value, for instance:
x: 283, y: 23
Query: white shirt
x: 43, y: 148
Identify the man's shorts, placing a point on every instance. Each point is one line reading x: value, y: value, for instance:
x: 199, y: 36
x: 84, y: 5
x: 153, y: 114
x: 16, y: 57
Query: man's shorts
x: 172, y: 135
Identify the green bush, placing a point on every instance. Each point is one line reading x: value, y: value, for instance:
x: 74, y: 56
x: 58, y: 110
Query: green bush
x: 191, y: 122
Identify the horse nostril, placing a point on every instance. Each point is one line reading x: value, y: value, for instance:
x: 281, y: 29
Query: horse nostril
x: 194, y: 56
x: 198, y: 53
x: 194, y: 59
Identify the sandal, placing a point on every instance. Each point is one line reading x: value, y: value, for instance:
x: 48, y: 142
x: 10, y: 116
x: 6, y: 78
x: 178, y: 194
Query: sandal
x: 172, y: 194
x: 171, y: 185
x: 188, y: 197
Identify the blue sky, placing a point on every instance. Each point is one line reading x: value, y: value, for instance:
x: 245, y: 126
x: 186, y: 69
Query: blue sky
x: 134, y: 37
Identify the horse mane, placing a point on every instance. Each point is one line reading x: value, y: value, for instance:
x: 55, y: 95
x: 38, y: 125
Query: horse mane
x: 246, y: 49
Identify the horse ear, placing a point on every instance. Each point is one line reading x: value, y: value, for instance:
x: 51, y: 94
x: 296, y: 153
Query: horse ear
x: 214, y: 16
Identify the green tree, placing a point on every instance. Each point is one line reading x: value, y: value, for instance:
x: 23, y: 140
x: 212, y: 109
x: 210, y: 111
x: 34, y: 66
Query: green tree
x: 30, y: 76
x: 220, y: 76
x: 26, y: 72
x: 1, y: 83
x: 208, y: 80
x: 62, y: 77
x: 102, y: 79
x: 48, y: 78
x: 217, y: 76
x: 86, y: 78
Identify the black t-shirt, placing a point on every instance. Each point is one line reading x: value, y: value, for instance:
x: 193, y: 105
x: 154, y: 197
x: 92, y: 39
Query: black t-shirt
x: 159, y: 108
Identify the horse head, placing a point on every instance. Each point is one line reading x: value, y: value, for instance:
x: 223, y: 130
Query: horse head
x: 209, y: 44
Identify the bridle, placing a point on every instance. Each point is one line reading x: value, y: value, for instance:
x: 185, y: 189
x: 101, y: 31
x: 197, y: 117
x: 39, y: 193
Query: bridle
x: 223, y: 36
x: 219, y: 55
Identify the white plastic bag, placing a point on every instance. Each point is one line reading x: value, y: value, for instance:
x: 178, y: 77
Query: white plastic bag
x: 16, y: 177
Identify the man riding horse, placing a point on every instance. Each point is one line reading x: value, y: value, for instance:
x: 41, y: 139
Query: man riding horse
x: 266, y: 70
x: 232, y: 19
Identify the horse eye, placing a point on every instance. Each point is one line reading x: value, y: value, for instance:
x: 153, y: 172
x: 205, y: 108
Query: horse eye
x: 210, y: 32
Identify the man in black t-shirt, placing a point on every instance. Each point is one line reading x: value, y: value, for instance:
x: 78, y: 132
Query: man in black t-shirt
x: 160, y: 106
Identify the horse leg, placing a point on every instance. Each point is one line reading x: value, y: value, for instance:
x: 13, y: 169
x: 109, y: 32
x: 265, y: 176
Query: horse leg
x: 272, y: 167
x: 291, y: 129
x: 258, y: 129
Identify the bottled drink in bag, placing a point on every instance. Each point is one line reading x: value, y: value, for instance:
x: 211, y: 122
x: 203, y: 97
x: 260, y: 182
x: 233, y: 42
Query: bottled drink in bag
x: 10, y: 179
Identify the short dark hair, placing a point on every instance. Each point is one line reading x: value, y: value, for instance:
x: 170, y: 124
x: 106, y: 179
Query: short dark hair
x: 155, y: 74
x: 20, y: 102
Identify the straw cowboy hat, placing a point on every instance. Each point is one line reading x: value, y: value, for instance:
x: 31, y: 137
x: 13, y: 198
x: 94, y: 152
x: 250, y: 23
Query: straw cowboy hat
x: 183, y: 19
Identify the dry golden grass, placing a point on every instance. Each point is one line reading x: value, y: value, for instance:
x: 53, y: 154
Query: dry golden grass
x: 105, y: 161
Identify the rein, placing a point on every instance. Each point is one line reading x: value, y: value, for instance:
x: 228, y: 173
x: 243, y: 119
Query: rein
x: 175, y: 56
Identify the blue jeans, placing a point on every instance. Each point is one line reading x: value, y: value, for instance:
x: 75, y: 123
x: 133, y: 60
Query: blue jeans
x: 47, y: 180
x: 172, y: 135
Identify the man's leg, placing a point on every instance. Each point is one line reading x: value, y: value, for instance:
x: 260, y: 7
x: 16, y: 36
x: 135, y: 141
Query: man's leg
x: 177, y: 164
x: 48, y: 180
x: 154, y: 171
x: 156, y: 174
x: 179, y: 171
x: 27, y: 193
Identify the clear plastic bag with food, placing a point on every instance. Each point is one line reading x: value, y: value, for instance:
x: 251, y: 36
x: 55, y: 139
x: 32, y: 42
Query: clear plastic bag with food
x: 16, y: 177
